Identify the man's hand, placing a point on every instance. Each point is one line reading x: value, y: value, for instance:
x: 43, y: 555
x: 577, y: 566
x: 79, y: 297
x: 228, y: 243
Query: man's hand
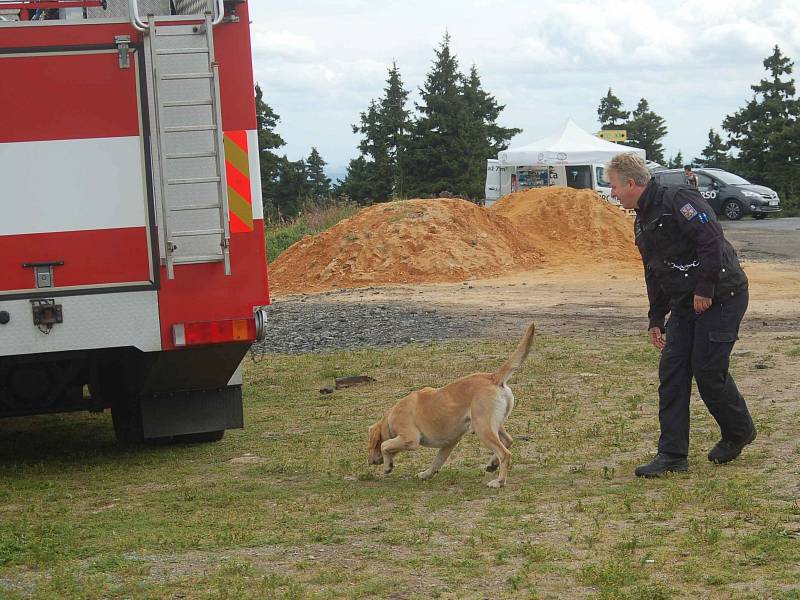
x: 701, y: 304
x: 657, y: 338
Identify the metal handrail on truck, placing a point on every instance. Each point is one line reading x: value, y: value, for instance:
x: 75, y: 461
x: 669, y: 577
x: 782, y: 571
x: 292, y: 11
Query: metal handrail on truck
x: 136, y: 20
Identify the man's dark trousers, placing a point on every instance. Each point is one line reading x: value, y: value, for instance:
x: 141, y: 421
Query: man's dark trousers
x: 700, y: 346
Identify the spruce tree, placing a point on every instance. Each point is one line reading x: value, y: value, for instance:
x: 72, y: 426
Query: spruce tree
x: 291, y: 188
x: 396, y: 124
x: 610, y: 113
x: 357, y: 184
x: 319, y: 186
x: 645, y: 130
x: 483, y: 136
x: 675, y: 162
x: 375, y: 148
x: 384, y: 129
x: 715, y: 154
x: 765, y: 132
x: 268, y: 140
x: 438, y: 153
x: 444, y: 149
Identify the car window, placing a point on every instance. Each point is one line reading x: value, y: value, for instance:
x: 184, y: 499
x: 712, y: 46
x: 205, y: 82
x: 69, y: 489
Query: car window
x: 672, y: 178
x: 704, y: 180
x: 602, y: 180
x: 730, y: 178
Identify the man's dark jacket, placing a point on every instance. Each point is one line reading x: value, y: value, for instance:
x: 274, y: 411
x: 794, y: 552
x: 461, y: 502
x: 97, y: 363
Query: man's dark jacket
x: 683, y: 250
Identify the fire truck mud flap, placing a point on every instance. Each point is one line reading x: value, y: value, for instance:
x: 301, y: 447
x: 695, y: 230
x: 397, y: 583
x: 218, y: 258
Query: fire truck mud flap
x: 192, y: 416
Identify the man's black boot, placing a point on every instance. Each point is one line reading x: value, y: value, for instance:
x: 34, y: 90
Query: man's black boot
x: 661, y: 464
x: 726, y: 451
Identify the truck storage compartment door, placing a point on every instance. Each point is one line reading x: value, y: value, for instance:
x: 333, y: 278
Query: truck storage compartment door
x: 76, y: 211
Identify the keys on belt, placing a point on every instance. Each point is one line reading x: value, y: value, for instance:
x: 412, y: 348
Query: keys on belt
x: 683, y: 268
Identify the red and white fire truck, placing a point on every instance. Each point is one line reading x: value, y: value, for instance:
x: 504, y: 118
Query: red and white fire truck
x: 132, y: 257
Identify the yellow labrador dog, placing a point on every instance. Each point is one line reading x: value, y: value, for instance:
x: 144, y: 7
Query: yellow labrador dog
x: 438, y: 417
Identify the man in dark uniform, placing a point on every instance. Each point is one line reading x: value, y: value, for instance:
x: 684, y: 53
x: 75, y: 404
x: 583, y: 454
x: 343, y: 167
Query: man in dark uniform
x: 692, y: 272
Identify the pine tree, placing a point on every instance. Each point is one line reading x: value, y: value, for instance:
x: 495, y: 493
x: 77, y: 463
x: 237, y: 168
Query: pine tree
x: 676, y: 161
x: 357, y: 184
x: 715, y: 154
x: 268, y: 140
x: 319, y: 186
x: 483, y: 136
x: 765, y: 132
x: 291, y: 188
x: 437, y: 149
x: 396, y: 124
x: 445, y: 149
x: 374, y: 148
x: 384, y: 129
x: 645, y: 130
x: 610, y: 113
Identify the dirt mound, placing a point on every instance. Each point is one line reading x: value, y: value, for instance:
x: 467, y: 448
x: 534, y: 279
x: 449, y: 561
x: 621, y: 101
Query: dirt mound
x: 571, y: 224
x: 410, y: 241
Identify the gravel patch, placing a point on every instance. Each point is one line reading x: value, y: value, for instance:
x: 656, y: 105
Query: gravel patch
x: 300, y: 325
x: 327, y: 323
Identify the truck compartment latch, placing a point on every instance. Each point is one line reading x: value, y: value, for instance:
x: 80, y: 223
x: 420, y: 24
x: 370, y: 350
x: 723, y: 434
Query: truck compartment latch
x: 123, y: 43
x: 43, y: 272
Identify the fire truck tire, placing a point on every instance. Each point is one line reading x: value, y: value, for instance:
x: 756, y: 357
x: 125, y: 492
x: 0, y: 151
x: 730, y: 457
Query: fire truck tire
x: 200, y: 438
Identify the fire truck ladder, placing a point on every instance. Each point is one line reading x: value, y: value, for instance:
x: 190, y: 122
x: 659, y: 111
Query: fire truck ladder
x: 186, y: 138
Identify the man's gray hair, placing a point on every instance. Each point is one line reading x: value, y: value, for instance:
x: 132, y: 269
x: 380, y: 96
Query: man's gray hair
x: 630, y: 166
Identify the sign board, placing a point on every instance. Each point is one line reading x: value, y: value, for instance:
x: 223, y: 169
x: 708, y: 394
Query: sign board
x: 613, y: 135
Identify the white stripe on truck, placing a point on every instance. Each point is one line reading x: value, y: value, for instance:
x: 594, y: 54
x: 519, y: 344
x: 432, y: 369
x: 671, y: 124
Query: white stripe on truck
x: 72, y: 185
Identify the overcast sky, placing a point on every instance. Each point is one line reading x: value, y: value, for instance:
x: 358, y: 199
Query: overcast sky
x: 320, y: 62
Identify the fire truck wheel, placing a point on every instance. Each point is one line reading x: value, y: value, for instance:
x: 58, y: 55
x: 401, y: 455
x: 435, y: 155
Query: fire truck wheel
x: 200, y: 438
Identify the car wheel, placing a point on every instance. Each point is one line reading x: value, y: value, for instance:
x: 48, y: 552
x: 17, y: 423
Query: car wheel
x: 760, y: 216
x: 732, y: 210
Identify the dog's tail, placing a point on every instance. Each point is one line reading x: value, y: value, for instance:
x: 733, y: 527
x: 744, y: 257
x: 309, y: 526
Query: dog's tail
x: 504, y: 373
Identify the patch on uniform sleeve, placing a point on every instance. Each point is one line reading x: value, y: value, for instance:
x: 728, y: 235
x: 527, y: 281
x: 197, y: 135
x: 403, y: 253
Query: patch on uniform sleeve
x: 703, y: 217
x: 688, y: 211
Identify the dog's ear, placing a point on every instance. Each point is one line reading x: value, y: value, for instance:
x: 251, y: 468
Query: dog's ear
x: 375, y: 439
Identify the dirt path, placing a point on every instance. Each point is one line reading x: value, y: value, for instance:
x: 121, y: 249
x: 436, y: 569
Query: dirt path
x: 560, y: 298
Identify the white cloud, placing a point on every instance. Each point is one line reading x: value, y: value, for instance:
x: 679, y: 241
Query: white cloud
x: 281, y: 45
x: 321, y: 62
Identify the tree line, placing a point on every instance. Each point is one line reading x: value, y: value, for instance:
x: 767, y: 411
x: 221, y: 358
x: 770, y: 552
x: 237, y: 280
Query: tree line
x: 440, y: 145
x: 438, y: 148
x: 762, y: 139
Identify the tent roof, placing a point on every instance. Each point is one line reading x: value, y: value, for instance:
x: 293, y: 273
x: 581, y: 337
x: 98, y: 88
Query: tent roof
x: 569, y: 146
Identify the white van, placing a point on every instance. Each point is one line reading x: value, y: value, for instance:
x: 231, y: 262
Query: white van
x: 503, y: 180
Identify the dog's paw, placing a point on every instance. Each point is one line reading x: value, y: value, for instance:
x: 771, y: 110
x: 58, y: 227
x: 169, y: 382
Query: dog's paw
x: 388, y: 469
x: 492, y: 466
x: 425, y: 475
x: 496, y: 483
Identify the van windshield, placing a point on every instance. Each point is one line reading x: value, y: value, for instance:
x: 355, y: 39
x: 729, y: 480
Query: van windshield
x: 729, y: 178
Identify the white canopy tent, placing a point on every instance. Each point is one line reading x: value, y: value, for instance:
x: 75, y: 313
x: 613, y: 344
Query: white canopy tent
x: 569, y: 146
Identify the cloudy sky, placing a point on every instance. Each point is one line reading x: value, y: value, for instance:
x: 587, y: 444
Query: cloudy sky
x: 320, y: 62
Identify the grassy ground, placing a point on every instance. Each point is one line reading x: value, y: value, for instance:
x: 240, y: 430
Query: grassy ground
x: 288, y: 507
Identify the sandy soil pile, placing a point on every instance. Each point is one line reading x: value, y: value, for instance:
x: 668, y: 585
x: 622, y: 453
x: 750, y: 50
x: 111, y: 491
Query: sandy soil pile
x: 573, y: 225
x: 447, y: 240
x: 411, y: 241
